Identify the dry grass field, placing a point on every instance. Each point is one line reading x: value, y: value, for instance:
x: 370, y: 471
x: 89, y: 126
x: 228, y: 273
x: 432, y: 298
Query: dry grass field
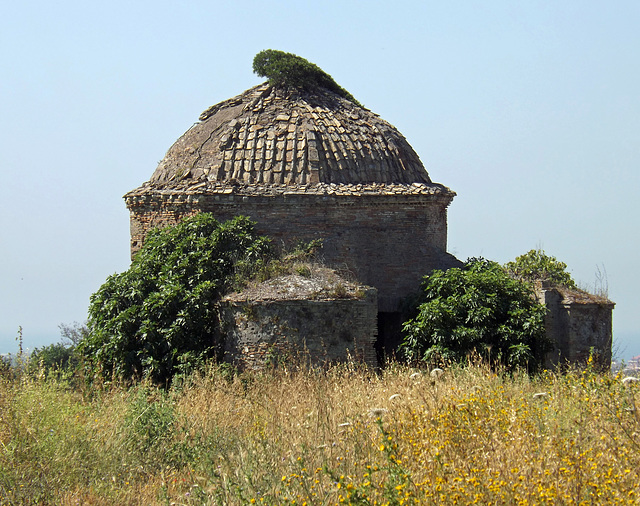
x: 346, y: 435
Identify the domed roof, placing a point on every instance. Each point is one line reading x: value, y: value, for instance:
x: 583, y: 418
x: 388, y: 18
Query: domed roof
x: 282, y: 137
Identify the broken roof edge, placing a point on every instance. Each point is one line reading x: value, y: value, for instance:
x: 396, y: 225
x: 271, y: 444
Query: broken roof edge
x: 204, y: 188
x: 318, y: 283
x: 572, y: 296
x: 252, y: 96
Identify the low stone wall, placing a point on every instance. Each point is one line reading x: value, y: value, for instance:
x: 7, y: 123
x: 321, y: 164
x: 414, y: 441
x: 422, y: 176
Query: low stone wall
x: 320, y: 332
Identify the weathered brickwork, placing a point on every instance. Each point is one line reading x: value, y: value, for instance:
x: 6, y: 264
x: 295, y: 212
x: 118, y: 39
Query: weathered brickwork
x: 386, y: 241
x: 308, y: 164
x: 320, y: 332
x: 579, y: 324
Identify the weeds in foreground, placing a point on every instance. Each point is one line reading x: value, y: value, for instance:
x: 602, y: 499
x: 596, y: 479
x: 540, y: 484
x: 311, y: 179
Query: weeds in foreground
x: 342, y: 436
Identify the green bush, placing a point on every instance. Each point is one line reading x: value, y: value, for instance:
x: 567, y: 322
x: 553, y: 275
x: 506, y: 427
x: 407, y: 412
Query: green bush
x: 478, y: 307
x: 52, y: 358
x: 289, y: 70
x: 537, y: 265
x: 150, y: 424
x: 159, y: 318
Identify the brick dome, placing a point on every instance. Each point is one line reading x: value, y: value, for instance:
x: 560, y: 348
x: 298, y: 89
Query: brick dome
x: 273, y: 136
x: 307, y: 165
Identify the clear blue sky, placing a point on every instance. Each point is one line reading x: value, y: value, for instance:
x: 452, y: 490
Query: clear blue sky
x: 530, y: 111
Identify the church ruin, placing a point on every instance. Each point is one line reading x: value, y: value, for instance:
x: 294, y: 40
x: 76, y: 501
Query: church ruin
x: 305, y: 165
x: 309, y: 164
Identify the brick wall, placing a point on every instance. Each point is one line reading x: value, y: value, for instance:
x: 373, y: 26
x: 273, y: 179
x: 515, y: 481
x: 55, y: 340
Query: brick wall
x: 386, y: 241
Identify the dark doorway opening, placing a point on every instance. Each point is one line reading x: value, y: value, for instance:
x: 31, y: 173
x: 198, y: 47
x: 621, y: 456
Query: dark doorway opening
x: 389, y: 336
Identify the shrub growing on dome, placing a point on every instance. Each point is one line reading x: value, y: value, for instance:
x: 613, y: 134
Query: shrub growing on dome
x: 159, y: 317
x: 289, y: 70
x: 477, y: 307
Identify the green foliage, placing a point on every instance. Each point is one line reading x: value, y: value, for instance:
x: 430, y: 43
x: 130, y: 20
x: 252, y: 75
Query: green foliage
x: 478, y: 307
x: 159, y: 318
x: 289, y: 70
x: 537, y: 265
x: 52, y: 358
x: 150, y: 424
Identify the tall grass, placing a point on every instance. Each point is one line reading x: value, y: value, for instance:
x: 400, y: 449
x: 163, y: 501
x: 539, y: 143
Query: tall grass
x: 346, y: 435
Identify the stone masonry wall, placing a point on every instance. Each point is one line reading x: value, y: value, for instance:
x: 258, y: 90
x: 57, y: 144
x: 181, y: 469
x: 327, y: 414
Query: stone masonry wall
x: 386, y: 241
x: 318, y: 331
x: 590, y: 329
x: 578, y: 323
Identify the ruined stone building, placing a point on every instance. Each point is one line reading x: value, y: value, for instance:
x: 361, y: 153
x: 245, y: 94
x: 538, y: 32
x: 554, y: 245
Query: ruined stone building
x: 311, y: 165
x: 308, y: 165
x: 579, y: 323
x: 317, y: 318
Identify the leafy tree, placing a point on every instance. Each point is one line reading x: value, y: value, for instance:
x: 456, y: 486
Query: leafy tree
x: 477, y: 307
x: 289, y: 70
x: 56, y: 357
x: 74, y: 333
x: 159, y: 317
x: 537, y: 265
x: 61, y: 357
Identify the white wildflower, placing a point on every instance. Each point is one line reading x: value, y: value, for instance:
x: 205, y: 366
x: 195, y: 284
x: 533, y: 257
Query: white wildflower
x: 377, y: 412
x: 436, y: 373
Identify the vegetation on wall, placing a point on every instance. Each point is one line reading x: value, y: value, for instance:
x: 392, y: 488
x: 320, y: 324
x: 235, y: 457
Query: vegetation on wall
x: 478, y: 307
x: 536, y: 265
x: 289, y: 70
x: 159, y: 317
